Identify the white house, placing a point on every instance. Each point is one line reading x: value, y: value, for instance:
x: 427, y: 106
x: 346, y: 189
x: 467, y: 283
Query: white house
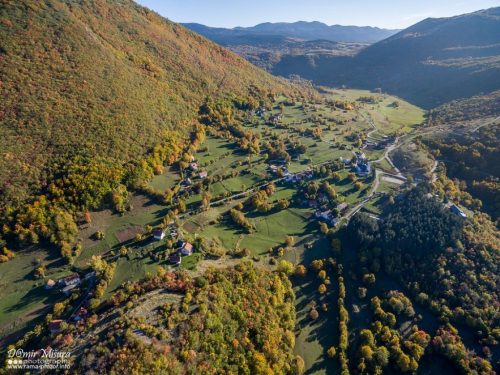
x: 363, y: 169
x: 72, y: 280
x: 187, y: 249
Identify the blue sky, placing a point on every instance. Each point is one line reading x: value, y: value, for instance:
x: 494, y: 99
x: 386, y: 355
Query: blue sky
x: 391, y: 14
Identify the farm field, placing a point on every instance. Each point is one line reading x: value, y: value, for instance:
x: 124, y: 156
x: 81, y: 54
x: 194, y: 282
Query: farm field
x: 22, y: 296
x: 233, y: 170
x: 387, y: 117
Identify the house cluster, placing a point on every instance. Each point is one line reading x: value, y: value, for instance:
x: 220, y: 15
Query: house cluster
x: 328, y: 214
x: 299, y: 176
x: 275, y: 119
x: 77, y: 319
x: 186, y: 249
x: 274, y: 169
x: 67, y: 284
x: 172, y: 232
x: 260, y: 111
x: 194, y: 167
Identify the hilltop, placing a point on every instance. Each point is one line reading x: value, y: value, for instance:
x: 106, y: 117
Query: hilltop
x: 431, y: 62
x: 89, y: 88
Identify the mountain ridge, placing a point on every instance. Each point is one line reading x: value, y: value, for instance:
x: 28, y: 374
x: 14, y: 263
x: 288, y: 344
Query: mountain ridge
x: 301, y: 29
x: 433, y: 61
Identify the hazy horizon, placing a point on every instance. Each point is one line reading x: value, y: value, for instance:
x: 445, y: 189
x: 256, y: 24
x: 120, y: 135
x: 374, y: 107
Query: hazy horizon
x: 385, y: 14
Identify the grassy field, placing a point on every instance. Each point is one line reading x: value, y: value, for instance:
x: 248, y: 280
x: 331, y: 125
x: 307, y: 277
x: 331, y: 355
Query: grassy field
x: 412, y: 160
x: 314, y: 337
x: 387, y: 117
x: 22, y: 296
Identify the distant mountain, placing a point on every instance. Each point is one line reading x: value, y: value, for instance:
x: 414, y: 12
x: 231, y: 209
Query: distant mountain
x: 298, y: 30
x: 433, y: 61
x: 266, y: 50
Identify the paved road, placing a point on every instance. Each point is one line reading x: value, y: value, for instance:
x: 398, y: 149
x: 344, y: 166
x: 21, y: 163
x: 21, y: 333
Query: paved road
x: 474, y: 134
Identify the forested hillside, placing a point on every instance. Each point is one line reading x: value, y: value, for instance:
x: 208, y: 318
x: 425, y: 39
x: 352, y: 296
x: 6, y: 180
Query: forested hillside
x: 447, y: 264
x: 237, y: 321
x: 89, y: 88
x: 473, y: 163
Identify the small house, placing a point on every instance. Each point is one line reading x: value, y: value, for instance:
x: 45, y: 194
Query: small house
x: 347, y: 162
x: 360, y: 155
x: 80, y: 315
x: 326, y: 215
x: 318, y: 214
x: 50, y: 284
x: 55, y: 326
x: 176, y: 260
x: 72, y: 280
x: 203, y: 174
x: 363, y: 169
x: 342, y: 206
x: 313, y: 203
x: 187, y: 249
x: 458, y: 211
x: 194, y: 166
x: 335, y: 221
x: 158, y: 235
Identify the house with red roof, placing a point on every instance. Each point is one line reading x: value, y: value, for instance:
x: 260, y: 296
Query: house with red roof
x: 55, y: 326
x: 187, y: 249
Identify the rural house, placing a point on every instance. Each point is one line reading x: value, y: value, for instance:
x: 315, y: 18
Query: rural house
x: 158, y: 235
x: 81, y: 314
x: 203, y: 174
x: 342, y: 206
x: 363, y: 169
x: 313, y: 203
x: 50, y: 284
x: 458, y: 211
x: 72, y: 280
x: 187, y: 249
x: 175, y: 259
x: 55, y: 326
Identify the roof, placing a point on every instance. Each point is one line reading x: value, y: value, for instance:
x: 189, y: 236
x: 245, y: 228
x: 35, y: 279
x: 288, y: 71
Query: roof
x: 157, y: 233
x: 203, y: 174
x: 55, y: 325
x: 51, y: 282
x: 342, y: 205
x: 313, y: 202
x: 188, y: 246
x: 81, y: 313
x: 75, y: 276
x: 175, y: 259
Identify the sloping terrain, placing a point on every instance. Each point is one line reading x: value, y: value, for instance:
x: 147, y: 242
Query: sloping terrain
x: 104, y: 81
x: 431, y: 62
